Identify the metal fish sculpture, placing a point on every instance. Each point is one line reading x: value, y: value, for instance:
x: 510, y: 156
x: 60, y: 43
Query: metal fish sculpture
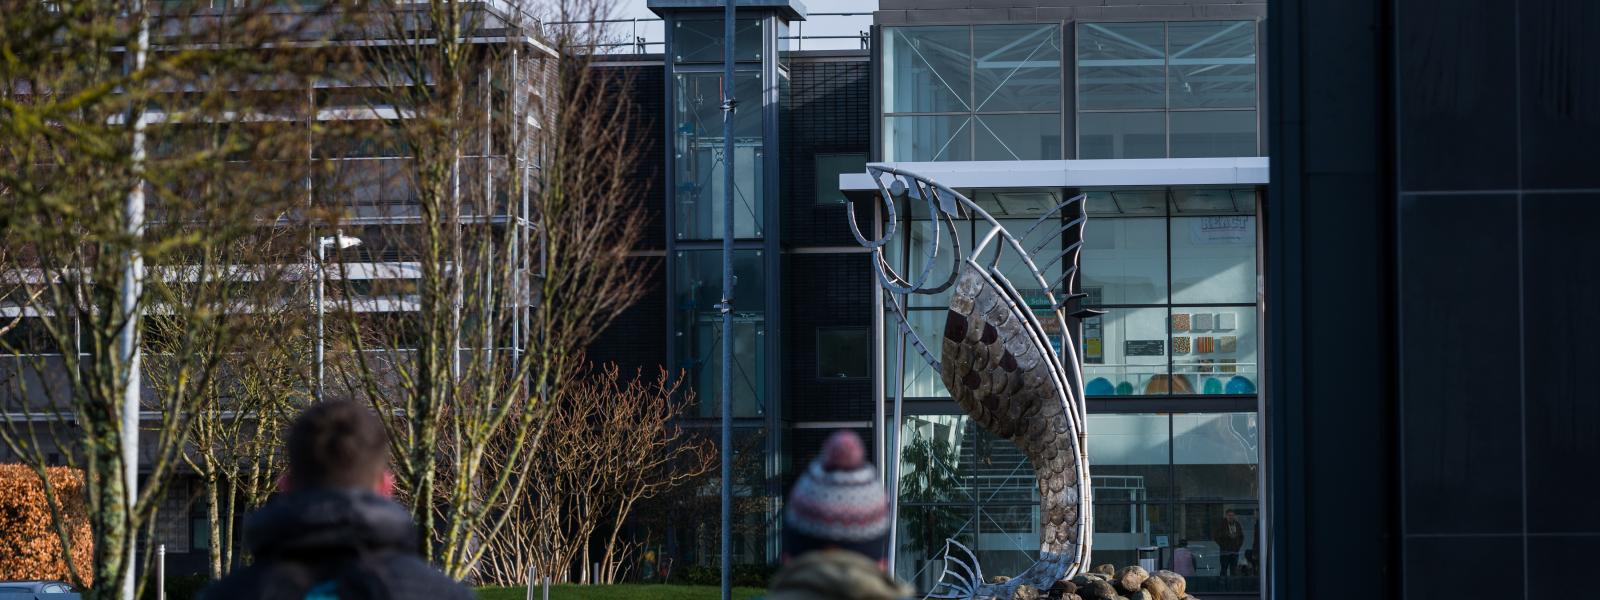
x: 1000, y: 367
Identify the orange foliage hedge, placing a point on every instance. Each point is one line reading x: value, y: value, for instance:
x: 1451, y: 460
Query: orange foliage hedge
x: 29, y: 545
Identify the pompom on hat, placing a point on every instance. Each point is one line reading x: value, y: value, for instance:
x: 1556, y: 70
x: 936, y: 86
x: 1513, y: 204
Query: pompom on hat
x: 838, y: 502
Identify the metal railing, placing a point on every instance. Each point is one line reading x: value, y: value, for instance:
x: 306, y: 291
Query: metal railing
x: 634, y: 37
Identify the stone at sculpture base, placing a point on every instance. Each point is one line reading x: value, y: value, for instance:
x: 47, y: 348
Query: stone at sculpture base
x: 1131, y: 583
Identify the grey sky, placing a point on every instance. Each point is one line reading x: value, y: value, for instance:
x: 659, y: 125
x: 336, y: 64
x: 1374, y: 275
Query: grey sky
x: 817, y: 25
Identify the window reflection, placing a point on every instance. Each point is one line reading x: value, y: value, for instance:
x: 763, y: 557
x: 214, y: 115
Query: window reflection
x: 698, y: 159
x: 1140, y: 83
x: 697, y: 331
x: 983, y: 92
x: 1160, y: 480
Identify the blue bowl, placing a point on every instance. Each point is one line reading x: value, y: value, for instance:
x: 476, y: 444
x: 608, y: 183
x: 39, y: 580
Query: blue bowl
x: 1099, y: 386
x: 1238, y: 384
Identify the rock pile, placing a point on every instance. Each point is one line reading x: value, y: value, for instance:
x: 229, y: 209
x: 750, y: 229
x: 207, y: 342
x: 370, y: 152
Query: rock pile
x: 1107, y: 583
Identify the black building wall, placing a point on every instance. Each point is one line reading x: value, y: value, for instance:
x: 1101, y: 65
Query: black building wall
x: 1432, y: 285
x: 828, y: 110
x: 638, y: 338
x: 827, y: 280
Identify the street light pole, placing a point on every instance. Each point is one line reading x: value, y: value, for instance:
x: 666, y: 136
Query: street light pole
x: 343, y: 241
x: 728, y: 105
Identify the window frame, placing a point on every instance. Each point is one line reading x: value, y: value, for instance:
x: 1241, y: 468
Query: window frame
x: 1166, y: 83
x: 972, y: 114
x: 866, y: 333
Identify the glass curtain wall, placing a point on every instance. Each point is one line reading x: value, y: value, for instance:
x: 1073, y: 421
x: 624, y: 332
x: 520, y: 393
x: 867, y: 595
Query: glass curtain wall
x: 697, y: 161
x: 978, y: 92
x: 1180, y: 89
x: 1175, y: 271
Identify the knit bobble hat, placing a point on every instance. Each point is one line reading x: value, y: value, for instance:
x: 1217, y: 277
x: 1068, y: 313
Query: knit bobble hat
x: 838, y: 503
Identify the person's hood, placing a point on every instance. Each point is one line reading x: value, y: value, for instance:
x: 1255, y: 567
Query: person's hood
x: 835, y: 574
x: 329, y: 521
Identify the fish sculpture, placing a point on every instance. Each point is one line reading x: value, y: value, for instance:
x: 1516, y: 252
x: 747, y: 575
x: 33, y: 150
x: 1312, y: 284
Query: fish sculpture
x: 998, y: 362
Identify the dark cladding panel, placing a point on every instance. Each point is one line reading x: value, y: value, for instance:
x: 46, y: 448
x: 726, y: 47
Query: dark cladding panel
x: 829, y: 113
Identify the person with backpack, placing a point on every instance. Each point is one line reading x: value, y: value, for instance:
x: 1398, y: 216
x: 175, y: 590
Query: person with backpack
x: 836, y: 530
x: 333, y: 532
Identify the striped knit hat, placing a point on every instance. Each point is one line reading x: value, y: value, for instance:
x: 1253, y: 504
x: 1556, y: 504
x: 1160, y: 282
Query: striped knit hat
x: 838, y: 503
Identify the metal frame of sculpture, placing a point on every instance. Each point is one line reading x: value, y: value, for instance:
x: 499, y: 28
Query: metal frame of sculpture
x: 999, y: 366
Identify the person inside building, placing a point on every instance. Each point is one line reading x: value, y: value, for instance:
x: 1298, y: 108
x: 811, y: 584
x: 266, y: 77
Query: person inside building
x: 1229, y: 535
x: 836, y: 530
x: 334, y: 532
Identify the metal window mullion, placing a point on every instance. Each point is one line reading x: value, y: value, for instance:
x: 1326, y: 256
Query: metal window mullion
x: 1166, y: 95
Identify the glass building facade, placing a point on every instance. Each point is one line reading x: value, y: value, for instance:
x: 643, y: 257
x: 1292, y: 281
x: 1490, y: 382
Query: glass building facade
x: 1172, y: 367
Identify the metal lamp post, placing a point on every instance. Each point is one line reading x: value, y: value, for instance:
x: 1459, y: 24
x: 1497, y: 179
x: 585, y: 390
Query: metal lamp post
x: 729, y: 103
x: 342, y: 241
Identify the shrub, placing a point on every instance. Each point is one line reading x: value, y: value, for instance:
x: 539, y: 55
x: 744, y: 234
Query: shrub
x: 29, y: 545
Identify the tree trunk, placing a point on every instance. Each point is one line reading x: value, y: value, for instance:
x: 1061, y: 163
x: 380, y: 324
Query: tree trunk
x: 213, y: 521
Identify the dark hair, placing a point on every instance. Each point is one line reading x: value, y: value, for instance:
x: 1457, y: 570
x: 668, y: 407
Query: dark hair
x: 337, y: 443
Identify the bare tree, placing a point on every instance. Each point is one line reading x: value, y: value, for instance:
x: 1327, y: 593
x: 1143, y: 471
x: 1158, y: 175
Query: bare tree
x: 239, y: 418
x: 523, y: 219
x: 611, y: 444
x: 103, y: 102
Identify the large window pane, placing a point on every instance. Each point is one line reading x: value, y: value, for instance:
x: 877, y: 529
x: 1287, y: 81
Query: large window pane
x: 1198, y: 134
x: 920, y: 379
x: 929, y: 69
x: 844, y: 353
x: 1017, y: 67
x: 700, y: 41
x: 1127, y: 353
x: 1215, y: 455
x: 1214, y: 349
x: 920, y: 234
x: 697, y: 329
x: 1215, y: 550
x: 698, y: 161
x: 1214, y: 259
x: 1125, y: 260
x: 1018, y: 137
x: 828, y: 168
x: 1128, y: 457
x: 928, y: 138
x: 1122, y: 135
x: 1213, y: 64
x: 1121, y: 65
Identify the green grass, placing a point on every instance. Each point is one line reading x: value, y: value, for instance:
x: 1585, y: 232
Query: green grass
x: 625, y: 591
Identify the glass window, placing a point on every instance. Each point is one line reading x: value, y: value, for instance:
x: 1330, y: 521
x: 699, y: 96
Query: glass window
x: 1214, y: 258
x: 1213, y: 64
x: 1122, y: 135
x: 700, y: 41
x: 1121, y: 65
x: 1213, y: 133
x: 698, y: 148
x: 920, y: 379
x: 1214, y: 349
x: 1128, y: 455
x: 1140, y: 83
x: 983, y: 92
x: 928, y: 138
x: 1125, y: 351
x: 1018, y: 137
x: 698, y: 329
x: 844, y: 353
x: 1017, y: 67
x: 1125, y: 259
x: 828, y: 169
x: 1214, y: 455
x: 930, y: 69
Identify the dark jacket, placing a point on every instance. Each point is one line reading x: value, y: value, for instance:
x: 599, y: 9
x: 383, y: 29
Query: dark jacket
x: 1229, y: 539
x: 349, y: 544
